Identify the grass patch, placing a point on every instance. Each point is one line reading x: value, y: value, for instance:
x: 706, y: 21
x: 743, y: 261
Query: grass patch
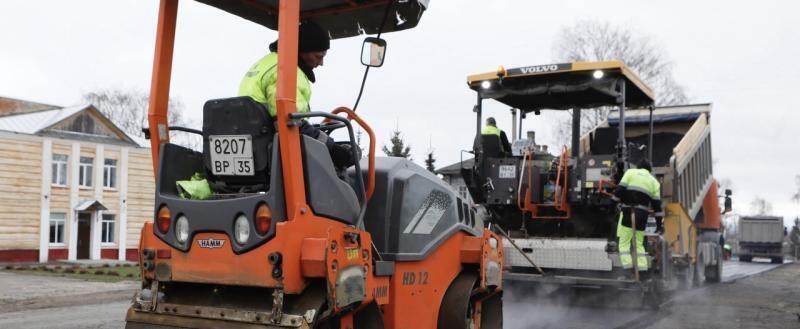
x: 107, y: 274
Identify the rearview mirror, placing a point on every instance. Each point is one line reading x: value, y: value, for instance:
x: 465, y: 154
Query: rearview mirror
x: 373, y: 52
x: 728, y: 205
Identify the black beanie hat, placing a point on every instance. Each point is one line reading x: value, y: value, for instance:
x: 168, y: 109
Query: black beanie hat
x: 312, y: 37
x: 645, y: 164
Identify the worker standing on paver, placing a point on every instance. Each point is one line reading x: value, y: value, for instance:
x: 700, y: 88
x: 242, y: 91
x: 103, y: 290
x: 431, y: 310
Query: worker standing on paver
x: 637, y: 192
x: 491, y: 129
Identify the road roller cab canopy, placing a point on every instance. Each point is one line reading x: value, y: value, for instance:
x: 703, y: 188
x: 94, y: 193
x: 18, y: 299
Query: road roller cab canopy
x: 563, y: 86
x: 341, y: 18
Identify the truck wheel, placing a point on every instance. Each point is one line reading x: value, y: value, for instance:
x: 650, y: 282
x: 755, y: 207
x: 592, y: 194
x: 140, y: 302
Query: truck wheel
x: 745, y: 258
x: 777, y: 260
x: 714, y: 272
x: 699, y: 270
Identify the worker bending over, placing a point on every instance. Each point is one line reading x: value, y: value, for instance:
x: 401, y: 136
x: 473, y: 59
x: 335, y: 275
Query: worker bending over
x: 491, y: 129
x: 260, y: 83
x: 638, y: 191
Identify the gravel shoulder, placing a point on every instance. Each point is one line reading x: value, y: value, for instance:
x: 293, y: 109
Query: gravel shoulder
x: 766, y: 300
x: 22, y: 292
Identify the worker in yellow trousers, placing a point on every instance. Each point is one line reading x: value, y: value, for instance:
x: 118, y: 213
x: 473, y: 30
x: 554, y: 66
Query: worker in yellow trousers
x: 638, y: 192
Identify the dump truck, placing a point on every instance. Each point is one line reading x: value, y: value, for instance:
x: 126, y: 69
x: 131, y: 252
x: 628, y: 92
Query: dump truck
x: 761, y: 236
x: 283, y: 239
x: 556, y: 207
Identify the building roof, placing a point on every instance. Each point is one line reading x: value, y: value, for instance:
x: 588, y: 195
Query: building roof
x: 455, y: 169
x: 10, y: 106
x: 90, y: 205
x: 34, y: 123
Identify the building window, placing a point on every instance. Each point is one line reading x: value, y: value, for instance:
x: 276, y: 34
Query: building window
x: 462, y: 191
x: 108, y: 229
x: 57, y: 228
x: 85, y: 172
x: 59, y: 174
x: 110, y: 173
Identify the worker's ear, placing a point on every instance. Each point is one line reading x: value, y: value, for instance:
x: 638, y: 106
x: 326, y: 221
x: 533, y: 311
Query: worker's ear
x: 373, y: 51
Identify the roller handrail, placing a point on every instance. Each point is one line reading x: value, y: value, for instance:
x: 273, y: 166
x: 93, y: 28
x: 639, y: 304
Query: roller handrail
x: 520, y: 201
x: 351, y: 115
x: 562, y: 167
x: 559, y: 195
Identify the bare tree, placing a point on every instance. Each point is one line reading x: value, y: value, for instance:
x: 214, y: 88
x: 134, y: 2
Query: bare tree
x: 128, y: 110
x: 796, y: 196
x: 759, y: 206
x: 590, y: 40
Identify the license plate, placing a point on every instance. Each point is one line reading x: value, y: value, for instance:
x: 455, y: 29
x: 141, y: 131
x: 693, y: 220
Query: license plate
x: 508, y: 172
x: 231, y: 155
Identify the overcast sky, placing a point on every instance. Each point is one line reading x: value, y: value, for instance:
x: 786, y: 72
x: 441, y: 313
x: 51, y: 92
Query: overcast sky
x: 742, y: 56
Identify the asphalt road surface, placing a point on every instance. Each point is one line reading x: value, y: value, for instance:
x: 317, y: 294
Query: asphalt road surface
x: 44, y: 302
x: 734, y: 269
x: 590, y: 308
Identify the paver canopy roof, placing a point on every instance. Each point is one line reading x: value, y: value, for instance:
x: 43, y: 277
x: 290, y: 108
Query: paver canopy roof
x: 341, y: 18
x: 562, y: 86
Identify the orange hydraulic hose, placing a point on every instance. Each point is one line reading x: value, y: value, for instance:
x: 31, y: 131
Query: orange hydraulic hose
x: 562, y: 168
x: 351, y: 115
x: 521, y: 178
x: 565, y: 188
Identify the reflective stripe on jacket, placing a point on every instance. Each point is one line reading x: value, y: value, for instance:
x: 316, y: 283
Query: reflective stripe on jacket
x: 260, y: 83
x: 490, y: 130
x: 642, y: 181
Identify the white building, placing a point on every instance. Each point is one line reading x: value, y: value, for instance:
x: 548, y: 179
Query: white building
x: 75, y: 186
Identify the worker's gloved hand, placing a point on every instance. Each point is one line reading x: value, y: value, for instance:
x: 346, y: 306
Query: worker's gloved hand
x: 311, y: 131
x: 342, y: 155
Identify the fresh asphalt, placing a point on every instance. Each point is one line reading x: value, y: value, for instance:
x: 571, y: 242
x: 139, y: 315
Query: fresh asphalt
x: 590, y: 308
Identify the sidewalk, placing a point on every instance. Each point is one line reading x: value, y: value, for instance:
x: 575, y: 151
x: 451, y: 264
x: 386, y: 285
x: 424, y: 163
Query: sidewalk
x: 97, y: 262
x: 83, y: 263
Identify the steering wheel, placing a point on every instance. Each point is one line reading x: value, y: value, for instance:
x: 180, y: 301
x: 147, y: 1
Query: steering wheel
x: 328, y: 127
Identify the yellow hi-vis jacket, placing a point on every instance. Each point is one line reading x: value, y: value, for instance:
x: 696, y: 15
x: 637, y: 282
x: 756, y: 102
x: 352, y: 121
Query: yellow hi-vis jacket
x: 642, y: 181
x: 260, y: 83
x: 490, y: 130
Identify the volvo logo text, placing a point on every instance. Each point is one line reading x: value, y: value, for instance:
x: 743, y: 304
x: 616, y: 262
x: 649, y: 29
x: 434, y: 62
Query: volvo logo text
x: 539, y: 69
x: 211, y: 243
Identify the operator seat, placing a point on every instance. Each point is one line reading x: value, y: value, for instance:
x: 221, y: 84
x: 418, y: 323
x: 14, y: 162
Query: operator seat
x: 604, y: 140
x: 327, y: 195
x: 491, y: 146
x: 239, y: 116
